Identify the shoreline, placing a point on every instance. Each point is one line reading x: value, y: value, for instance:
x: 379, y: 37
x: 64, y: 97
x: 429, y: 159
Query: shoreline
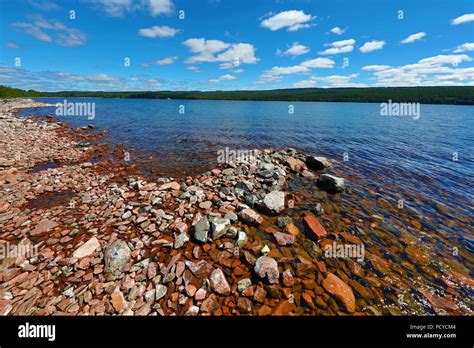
x: 219, y: 243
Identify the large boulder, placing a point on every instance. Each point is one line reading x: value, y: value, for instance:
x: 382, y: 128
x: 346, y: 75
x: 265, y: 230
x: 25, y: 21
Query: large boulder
x: 116, y: 256
x: 318, y: 163
x: 330, y: 183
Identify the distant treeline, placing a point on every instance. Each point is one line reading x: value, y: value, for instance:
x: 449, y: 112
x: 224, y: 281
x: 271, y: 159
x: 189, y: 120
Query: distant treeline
x: 424, y: 95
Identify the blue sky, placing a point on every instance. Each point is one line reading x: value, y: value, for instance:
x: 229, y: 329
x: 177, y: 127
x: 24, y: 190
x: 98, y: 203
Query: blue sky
x: 234, y: 44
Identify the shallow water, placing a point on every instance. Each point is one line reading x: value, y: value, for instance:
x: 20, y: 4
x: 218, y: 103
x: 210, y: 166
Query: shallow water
x: 404, y: 186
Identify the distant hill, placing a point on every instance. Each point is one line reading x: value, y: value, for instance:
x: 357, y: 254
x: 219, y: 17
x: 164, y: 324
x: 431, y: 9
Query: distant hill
x: 424, y: 95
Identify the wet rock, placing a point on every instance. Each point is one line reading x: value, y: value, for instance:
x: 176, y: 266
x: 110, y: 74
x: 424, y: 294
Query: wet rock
x: 282, y: 221
x: 314, y: 226
x: 87, y: 248
x: 201, y: 230
x: 219, y: 283
x: 250, y: 217
x: 317, y: 163
x: 331, y: 183
x: 336, y: 287
x: 285, y: 307
x: 288, y: 279
x: 241, y: 239
x: 116, y: 256
x: 180, y: 240
x: 160, y: 291
x: 266, y: 267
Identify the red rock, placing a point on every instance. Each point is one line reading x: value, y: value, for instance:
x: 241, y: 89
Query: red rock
x: 336, y: 287
x: 244, y: 304
x: 308, y: 300
x: 190, y: 290
x: 296, y: 165
x: 118, y: 301
x: 43, y: 227
x: 284, y: 308
x: 284, y: 238
x: 250, y: 217
x: 264, y: 310
x: 200, y: 294
x: 260, y: 294
x: 314, y: 226
x: 219, y: 283
x: 170, y: 186
x: 292, y: 229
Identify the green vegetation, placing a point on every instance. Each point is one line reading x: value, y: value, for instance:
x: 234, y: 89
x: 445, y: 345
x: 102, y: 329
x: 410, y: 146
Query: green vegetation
x: 424, y: 95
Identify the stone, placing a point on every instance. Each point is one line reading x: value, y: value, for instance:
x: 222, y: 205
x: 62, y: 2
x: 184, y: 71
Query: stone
x: 205, y: 205
x: 274, y: 203
x: 219, y: 227
x: 284, y: 238
x: 200, y: 294
x: 43, y: 227
x: 192, y: 311
x: 295, y: 165
x: 292, y: 229
x: 219, y: 283
x: 160, y: 291
x: 170, y: 186
x: 87, y: 248
x: 201, y: 230
x: 288, y: 279
x: 317, y: 163
x: 116, y: 256
x: 118, y: 300
x: 264, y: 310
x: 330, y: 183
x: 267, y: 267
x: 244, y: 284
x: 282, y: 221
x: 285, y: 307
x: 336, y: 287
x: 250, y: 217
x: 314, y: 226
x: 200, y: 269
x: 241, y: 239
x: 180, y: 240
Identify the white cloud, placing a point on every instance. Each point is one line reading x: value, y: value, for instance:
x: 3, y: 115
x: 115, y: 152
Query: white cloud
x: 165, y: 61
x: 372, y: 46
x: 337, y: 31
x: 468, y: 17
x: 51, y: 31
x: 414, y: 37
x: 376, y: 67
x: 194, y: 68
x: 157, y: 31
x: 465, y: 47
x: 337, y: 47
x: 296, y: 49
x: 217, y: 51
x: 223, y: 78
x: 158, y: 7
x: 292, y: 20
x: 318, y: 63
x: 44, y: 5
x: 330, y: 81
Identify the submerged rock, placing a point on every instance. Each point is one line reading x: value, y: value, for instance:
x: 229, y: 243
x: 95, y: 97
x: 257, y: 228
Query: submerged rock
x: 336, y: 287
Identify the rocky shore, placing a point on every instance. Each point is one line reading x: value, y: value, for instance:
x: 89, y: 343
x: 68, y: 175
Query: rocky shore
x: 105, y: 242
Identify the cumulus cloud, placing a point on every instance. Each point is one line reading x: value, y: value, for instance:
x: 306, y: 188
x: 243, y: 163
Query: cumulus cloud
x: 51, y: 31
x: 371, y: 46
x: 330, y: 81
x: 296, y: 49
x: 277, y: 72
x: 158, y: 7
x: 318, y: 63
x: 223, y: 78
x: 11, y: 45
x: 164, y: 61
x: 465, y: 47
x: 337, y: 31
x: 217, y: 51
x: 430, y: 71
x: 337, y: 47
x: 158, y: 31
x: 414, y: 37
x: 466, y: 18
x: 292, y: 20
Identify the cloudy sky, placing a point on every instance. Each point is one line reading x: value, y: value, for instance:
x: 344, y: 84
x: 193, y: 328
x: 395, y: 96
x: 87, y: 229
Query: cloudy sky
x: 114, y: 45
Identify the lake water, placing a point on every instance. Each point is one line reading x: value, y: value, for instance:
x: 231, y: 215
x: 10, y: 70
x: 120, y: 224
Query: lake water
x: 415, y: 174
